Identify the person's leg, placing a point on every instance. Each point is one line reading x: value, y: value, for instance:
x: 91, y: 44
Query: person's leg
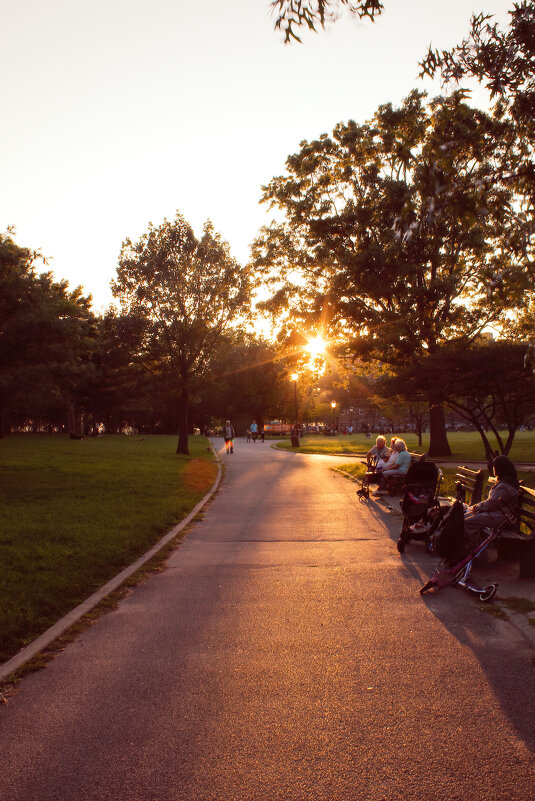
x: 473, y: 523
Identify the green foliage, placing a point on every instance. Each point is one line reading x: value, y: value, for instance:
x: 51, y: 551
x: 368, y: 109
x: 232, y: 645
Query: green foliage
x: 395, y: 244
x: 74, y: 513
x: 503, y: 60
x: 46, y: 334
x: 248, y: 382
x: 488, y: 385
x: 395, y: 237
x: 179, y: 295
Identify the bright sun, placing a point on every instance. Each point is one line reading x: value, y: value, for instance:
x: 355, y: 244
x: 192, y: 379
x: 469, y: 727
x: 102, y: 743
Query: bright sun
x: 316, y: 346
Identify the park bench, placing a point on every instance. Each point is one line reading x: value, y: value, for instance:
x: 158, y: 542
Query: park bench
x: 517, y: 541
x: 468, y: 481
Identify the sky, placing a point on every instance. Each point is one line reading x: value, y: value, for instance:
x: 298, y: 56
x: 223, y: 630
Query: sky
x: 117, y: 113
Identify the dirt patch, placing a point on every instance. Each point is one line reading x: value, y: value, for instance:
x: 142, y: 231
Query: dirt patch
x: 199, y: 475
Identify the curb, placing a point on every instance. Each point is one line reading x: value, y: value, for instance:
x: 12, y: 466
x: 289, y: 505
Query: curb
x: 72, y: 617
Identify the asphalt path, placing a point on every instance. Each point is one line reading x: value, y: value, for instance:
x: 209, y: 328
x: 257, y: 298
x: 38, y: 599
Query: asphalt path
x: 284, y: 653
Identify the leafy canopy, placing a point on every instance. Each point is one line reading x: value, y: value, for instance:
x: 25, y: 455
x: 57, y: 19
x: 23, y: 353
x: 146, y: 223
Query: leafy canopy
x: 392, y: 233
x: 181, y: 295
x: 46, y: 331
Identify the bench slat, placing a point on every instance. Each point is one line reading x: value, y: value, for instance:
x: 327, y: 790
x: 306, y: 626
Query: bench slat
x: 468, y: 480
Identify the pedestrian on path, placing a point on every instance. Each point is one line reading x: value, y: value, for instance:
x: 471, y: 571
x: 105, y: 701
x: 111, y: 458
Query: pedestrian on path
x: 228, y: 436
x: 254, y: 430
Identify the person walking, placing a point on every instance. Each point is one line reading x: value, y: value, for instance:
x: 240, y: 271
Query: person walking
x: 254, y: 430
x: 228, y: 436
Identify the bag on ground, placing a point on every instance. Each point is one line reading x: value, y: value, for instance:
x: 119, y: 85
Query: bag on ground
x: 449, y: 541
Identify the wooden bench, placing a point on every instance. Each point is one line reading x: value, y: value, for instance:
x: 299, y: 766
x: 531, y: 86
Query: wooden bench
x: 471, y: 481
x: 517, y: 541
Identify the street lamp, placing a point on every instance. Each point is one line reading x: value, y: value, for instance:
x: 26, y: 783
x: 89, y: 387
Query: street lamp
x: 333, y: 407
x: 294, y: 379
x: 295, y: 439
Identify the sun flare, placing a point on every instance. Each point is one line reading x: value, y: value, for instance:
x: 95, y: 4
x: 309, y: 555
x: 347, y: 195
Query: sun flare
x: 316, y: 346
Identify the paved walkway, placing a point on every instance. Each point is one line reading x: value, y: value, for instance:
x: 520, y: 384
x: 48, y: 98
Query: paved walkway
x: 284, y: 653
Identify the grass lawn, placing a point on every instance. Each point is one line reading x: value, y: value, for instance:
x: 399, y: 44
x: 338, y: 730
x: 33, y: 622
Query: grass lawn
x: 465, y: 445
x: 76, y: 512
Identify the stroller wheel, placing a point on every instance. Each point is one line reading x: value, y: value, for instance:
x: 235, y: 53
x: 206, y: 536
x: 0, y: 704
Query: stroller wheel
x: 487, y: 593
x: 401, y: 544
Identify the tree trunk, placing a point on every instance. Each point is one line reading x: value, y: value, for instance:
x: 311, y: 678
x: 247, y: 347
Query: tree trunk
x: 438, y: 439
x: 71, y: 419
x: 182, y: 446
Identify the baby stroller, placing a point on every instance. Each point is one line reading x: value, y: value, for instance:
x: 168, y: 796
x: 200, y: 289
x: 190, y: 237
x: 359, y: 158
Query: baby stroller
x: 371, y: 476
x: 457, y: 554
x: 419, y: 504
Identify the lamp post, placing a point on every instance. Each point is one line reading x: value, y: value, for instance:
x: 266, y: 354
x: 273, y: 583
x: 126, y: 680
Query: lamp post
x: 294, y: 379
x: 333, y: 407
x: 295, y: 436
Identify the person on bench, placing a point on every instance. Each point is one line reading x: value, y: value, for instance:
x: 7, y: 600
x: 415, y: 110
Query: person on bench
x: 386, y: 464
x: 489, y: 512
x: 378, y: 452
x: 400, y: 468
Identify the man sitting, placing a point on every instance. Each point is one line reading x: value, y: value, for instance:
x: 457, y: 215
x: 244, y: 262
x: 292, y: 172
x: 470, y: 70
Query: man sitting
x: 379, y: 451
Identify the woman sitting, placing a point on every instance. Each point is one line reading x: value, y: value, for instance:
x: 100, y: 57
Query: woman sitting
x: 399, y: 468
x: 386, y: 464
x: 490, y: 512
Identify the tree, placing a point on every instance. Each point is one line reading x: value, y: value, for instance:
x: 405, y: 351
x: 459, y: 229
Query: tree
x: 504, y: 61
x: 46, y: 334
x: 488, y: 385
x: 183, y: 293
x: 246, y: 383
x: 294, y: 14
x: 392, y: 236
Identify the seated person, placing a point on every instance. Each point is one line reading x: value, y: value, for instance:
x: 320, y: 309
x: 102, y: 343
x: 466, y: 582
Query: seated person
x: 379, y: 451
x: 489, y: 513
x: 386, y: 464
x: 399, y: 468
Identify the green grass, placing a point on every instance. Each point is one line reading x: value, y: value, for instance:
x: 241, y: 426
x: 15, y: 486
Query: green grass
x: 75, y: 512
x: 465, y: 445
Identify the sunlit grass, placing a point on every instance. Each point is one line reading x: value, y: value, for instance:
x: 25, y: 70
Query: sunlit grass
x: 75, y: 512
x: 465, y: 445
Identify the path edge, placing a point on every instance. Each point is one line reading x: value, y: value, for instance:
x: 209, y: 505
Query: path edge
x: 47, y: 637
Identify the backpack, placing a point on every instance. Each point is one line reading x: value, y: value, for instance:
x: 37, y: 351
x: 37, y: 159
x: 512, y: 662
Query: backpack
x: 449, y: 540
